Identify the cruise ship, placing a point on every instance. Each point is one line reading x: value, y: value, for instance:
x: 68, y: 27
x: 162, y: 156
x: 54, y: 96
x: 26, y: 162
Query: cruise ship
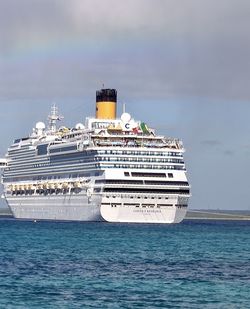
x: 107, y: 169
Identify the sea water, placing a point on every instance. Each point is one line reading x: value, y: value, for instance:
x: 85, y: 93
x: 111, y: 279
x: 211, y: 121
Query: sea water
x: 195, y: 264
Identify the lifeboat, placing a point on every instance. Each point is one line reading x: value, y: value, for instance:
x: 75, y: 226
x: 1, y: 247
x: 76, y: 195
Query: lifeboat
x: 51, y: 185
x: 77, y: 184
x: 65, y: 185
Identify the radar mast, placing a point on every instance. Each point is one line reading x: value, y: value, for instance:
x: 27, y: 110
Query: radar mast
x: 53, y: 118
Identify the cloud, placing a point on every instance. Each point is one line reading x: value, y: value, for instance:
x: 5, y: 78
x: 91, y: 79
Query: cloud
x: 160, y: 19
x: 211, y: 143
x: 228, y: 152
x: 156, y: 48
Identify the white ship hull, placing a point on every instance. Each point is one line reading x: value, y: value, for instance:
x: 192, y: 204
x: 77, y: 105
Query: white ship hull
x: 55, y: 207
x: 82, y: 208
x: 142, y: 215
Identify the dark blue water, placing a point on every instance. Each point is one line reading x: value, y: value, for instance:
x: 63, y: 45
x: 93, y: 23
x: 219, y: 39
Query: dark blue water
x: 196, y: 264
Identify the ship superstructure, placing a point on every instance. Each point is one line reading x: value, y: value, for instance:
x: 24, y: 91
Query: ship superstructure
x: 111, y: 169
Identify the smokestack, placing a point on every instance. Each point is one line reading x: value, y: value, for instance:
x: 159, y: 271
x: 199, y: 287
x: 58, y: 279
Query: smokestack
x: 106, y: 103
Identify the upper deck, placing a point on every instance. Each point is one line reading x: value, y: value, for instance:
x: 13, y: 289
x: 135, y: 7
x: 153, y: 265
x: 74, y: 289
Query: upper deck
x: 103, y: 131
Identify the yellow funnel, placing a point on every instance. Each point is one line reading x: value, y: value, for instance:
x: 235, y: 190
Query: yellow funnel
x: 106, y: 104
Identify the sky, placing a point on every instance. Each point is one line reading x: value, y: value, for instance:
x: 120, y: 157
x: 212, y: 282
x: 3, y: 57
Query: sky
x: 181, y: 66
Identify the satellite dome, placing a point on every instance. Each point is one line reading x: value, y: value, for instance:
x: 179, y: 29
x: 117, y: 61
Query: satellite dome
x: 79, y: 126
x: 125, y: 117
x: 40, y: 125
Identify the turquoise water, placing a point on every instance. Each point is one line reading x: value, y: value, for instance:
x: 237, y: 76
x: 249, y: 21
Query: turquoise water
x: 196, y: 264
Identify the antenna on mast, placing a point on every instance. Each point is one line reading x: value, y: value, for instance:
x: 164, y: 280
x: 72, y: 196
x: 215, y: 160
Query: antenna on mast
x: 54, y: 117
